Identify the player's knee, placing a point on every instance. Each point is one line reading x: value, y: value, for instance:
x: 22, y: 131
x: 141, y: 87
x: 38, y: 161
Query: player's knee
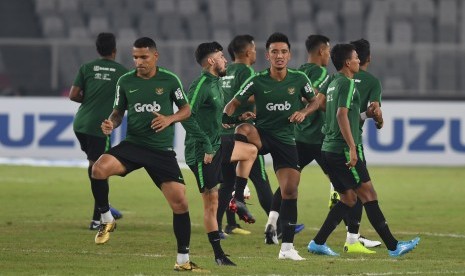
x: 243, y: 129
x: 180, y: 206
x: 252, y: 151
x: 98, y: 171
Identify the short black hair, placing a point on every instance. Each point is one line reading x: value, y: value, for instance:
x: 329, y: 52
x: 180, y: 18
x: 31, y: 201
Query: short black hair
x: 340, y: 53
x: 231, y: 52
x: 314, y: 42
x: 362, y: 46
x: 277, y: 37
x: 205, y: 49
x: 239, y: 44
x: 105, y: 43
x: 145, y: 42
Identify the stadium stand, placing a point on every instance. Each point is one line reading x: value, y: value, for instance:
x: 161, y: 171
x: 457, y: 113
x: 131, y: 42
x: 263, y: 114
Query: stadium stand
x: 418, y: 44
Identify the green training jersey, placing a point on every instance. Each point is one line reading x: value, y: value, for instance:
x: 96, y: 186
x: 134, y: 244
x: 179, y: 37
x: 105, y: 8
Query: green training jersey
x: 276, y: 101
x: 97, y: 79
x: 141, y: 97
x: 236, y: 75
x: 369, y: 88
x: 341, y: 92
x: 309, y: 131
x: 207, y: 103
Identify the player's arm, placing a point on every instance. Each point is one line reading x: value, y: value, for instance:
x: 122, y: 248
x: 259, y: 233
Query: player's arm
x: 312, y: 104
x: 76, y: 94
x: 245, y: 92
x: 344, y: 125
x: 321, y: 99
x: 114, y: 121
x: 160, y: 122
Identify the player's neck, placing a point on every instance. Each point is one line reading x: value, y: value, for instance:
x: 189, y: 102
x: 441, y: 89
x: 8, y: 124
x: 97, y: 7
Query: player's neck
x: 278, y: 74
x: 245, y: 61
x: 314, y: 60
x: 347, y: 72
x: 364, y: 67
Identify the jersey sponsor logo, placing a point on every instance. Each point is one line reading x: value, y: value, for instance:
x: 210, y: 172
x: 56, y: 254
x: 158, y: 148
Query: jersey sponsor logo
x: 159, y: 91
x: 278, y: 107
x: 308, y: 88
x: 138, y: 107
x: 357, y: 80
x: 104, y: 76
x: 291, y: 90
x: 246, y: 88
x: 100, y: 68
x: 133, y: 90
x: 331, y: 89
x: 178, y: 94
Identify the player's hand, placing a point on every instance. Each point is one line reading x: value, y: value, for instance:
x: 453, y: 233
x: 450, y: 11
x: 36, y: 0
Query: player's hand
x: 297, y: 117
x: 160, y: 122
x: 207, y: 159
x: 247, y: 116
x: 353, y: 158
x: 228, y: 126
x: 379, y: 124
x: 107, y: 127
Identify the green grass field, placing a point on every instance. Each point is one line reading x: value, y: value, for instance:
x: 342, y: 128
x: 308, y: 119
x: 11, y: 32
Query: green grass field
x: 45, y: 213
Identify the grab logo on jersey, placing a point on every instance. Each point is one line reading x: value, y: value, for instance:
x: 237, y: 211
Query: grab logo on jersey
x: 138, y: 107
x: 278, y: 107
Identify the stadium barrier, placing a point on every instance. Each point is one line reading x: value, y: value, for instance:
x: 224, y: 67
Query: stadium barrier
x: 414, y: 133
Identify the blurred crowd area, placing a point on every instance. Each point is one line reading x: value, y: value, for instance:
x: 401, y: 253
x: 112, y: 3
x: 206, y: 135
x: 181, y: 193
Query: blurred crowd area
x: 418, y: 46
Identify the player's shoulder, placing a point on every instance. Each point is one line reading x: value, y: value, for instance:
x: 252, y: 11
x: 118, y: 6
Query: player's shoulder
x: 128, y: 75
x: 167, y: 73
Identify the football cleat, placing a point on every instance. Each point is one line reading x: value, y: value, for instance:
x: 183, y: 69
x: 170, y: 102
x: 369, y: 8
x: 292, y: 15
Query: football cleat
x: 189, y: 266
x: 240, y: 208
x: 236, y: 229
x: 333, y: 199
x: 357, y: 248
x: 290, y: 254
x: 94, y: 225
x: 299, y: 228
x: 224, y: 260
x: 368, y: 243
x: 270, y: 235
x: 320, y: 249
x: 103, y: 234
x: 403, y: 247
x: 115, y: 213
x: 223, y: 235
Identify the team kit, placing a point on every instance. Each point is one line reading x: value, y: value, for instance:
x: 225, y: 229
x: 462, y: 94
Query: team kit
x: 233, y: 116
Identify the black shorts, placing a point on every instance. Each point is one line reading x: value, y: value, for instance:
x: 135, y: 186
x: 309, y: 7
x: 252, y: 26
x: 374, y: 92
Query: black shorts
x: 209, y: 175
x: 309, y: 152
x: 283, y: 155
x: 161, y: 165
x: 93, y: 146
x: 340, y: 175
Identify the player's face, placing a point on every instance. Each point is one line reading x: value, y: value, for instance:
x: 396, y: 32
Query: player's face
x: 145, y: 60
x: 278, y: 54
x: 325, y: 54
x: 353, y: 63
x: 219, y: 63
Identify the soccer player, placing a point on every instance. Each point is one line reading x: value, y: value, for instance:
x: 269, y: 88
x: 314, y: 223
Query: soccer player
x: 309, y: 139
x: 342, y: 154
x: 277, y: 92
x: 205, y: 154
x: 243, y: 53
x: 94, y: 87
x: 148, y: 93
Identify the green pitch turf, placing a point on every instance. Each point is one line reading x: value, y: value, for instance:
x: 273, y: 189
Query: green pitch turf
x: 45, y: 212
